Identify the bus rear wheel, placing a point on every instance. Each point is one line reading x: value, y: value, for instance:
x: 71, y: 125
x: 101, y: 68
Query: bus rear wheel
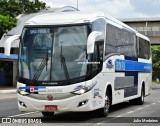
x: 140, y: 100
x: 48, y: 114
x: 103, y: 112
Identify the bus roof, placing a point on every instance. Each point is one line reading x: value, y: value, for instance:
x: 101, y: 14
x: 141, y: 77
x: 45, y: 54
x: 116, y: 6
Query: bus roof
x: 64, y: 18
x: 75, y: 17
x: 72, y: 18
x: 142, y: 36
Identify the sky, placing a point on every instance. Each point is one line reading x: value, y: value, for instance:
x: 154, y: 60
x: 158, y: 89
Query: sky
x: 115, y: 8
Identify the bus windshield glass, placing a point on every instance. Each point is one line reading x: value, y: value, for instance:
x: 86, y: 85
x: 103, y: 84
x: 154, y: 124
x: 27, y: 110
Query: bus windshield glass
x: 53, y: 53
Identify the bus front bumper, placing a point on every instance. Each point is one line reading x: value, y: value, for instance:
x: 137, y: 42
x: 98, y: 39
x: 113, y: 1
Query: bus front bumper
x: 76, y: 103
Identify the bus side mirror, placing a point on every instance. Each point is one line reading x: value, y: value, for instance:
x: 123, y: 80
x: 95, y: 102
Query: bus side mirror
x: 91, y: 41
x: 8, y: 42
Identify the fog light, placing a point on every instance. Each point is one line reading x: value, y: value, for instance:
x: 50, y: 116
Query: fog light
x: 22, y: 104
x: 82, y: 103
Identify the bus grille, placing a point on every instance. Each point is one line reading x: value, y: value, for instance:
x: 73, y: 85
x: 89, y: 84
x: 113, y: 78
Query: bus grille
x: 56, y: 96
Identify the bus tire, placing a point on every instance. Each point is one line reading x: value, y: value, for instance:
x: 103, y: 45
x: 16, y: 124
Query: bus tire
x: 103, y: 112
x: 140, y: 100
x: 48, y: 114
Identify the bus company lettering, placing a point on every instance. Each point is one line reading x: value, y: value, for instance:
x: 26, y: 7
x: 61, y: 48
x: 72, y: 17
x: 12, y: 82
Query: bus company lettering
x: 96, y: 92
x: 54, y: 90
x: 147, y: 67
x: 120, y: 65
x: 49, y: 83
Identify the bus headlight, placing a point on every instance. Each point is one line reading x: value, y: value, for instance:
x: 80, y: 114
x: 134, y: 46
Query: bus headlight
x: 83, y: 90
x: 79, y: 92
x: 22, y: 92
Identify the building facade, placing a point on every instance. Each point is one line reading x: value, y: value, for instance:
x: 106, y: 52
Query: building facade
x: 147, y: 26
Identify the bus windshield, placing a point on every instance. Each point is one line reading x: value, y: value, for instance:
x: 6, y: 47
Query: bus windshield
x: 53, y: 53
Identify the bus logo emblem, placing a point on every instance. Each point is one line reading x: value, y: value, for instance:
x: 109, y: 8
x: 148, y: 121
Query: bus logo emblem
x: 50, y: 97
x: 109, y: 64
x: 32, y: 89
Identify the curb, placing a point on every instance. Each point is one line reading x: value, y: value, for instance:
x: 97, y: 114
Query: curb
x: 7, y: 91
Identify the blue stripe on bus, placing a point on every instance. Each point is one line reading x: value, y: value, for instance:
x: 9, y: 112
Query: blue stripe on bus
x: 28, y: 87
x: 130, y: 65
x: 35, y: 87
x: 32, y: 89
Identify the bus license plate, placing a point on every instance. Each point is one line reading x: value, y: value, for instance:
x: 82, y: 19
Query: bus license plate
x: 50, y: 108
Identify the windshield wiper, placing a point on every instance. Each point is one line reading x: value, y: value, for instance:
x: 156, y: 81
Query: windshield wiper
x: 47, y: 59
x: 43, y: 63
x: 63, y: 63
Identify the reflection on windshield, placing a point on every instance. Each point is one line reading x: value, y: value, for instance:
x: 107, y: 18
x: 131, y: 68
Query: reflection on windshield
x: 52, y: 54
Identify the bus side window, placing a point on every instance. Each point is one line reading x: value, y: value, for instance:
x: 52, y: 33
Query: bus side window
x: 144, y: 49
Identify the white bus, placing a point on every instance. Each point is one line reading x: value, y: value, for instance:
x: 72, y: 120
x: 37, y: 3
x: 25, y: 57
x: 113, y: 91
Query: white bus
x: 77, y: 61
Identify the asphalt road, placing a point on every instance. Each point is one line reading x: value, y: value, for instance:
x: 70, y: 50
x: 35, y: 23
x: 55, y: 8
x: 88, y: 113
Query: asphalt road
x: 123, y: 114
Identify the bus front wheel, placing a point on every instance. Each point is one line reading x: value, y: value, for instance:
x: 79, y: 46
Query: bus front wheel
x: 48, y: 114
x: 103, y: 112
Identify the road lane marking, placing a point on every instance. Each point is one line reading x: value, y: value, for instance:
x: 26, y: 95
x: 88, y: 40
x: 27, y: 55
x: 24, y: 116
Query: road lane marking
x: 139, y: 108
x: 7, y: 98
x: 158, y: 101
x: 99, y: 123
x: 153, y: 103
x: 119, y: 116
x: 130, y: 112
x: 146, y: 105
x: 23, y: 114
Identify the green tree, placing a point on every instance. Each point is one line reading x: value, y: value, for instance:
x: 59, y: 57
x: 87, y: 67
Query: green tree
x: 156, y: 62
x: 9, y: 9
x: 6, y: 23
x: 13, y: 8
x: 30, y: 6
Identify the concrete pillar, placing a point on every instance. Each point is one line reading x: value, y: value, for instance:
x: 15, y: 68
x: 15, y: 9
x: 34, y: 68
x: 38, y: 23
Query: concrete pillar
x: 15, y: 72
x: 146, y: 29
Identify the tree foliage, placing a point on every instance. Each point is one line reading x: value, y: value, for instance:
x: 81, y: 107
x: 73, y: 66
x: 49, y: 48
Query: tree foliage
x: 156, y: 61
x: 13, y: 8
x: 9, y: 9
x: 30, y: 6
x: 6, y: 23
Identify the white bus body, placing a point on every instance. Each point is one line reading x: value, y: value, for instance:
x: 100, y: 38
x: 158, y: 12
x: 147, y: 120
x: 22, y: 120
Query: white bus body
x: 76, y: 61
